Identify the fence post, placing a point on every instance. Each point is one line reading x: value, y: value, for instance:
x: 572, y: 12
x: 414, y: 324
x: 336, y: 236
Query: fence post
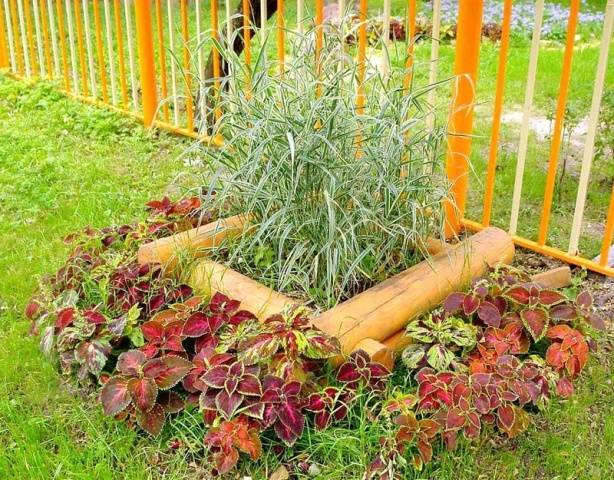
x: 4, y: 57
x: 146, y: 60
x: 469, y: 33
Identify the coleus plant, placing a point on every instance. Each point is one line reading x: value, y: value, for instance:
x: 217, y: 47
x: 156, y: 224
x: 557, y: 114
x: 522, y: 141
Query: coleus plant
x: 437, y: 340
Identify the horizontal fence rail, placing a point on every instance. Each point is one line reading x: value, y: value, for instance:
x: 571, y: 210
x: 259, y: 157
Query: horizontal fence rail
x: 158, y: 60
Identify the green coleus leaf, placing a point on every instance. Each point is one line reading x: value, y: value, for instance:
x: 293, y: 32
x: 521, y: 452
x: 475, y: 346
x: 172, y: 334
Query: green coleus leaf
x: 439, y: 357
x: 419, y: 333
x: 136, y: 337
x: 319, y: 346
x: 413, y: 355
x: 462, y: 334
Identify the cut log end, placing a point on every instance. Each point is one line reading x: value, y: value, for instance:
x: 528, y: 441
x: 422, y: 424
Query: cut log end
x: 555, y: 278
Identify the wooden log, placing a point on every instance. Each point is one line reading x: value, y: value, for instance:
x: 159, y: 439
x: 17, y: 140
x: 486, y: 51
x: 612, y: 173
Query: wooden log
x: 378, y: 352
x: 208, y: 277
x: 384, y: 309
x: 194, y: 242
x: 556, y: 278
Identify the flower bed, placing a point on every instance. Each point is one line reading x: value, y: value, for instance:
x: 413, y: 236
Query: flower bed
x: 153, y: 348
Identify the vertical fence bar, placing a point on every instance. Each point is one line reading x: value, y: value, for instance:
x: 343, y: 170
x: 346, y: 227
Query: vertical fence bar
x: 430, y: 120
x: 247, y: 33
x: 469, y: 33
x: 559, y: 119
x: 496, y: 120
x: 200, y: 77
x: 386, y: 39
x: 9, y: 36
x: 39, y: 38
x: 362, y: 57
x: 54, y: 39
x: 187, y: 74
x: 110, y: 51
x: 47, y: 44
x: 120, y: 52
x: 62, y: 36
x: 71, y: 46
x: 593, y: 122
x: 162, y: 58
x: 199, y: 33
x: 24, y: 39
x: 100, y: 51
x: 88, y: 48
x: 247, y: 40
x: 31, y: 43
x: 300, y: 8
x: 411, y: 38
x: 526, y: 114
x: 171, y: 40
x: 129, y: 40
x: 81, y: 48
x: 146, y: 60
x: 281, y: 35
x: 216, y: 56
x: 13, y: 21
x: 608, y: 235
x: 4, y: 56
x: 263, y: 20
x: 228, y: 22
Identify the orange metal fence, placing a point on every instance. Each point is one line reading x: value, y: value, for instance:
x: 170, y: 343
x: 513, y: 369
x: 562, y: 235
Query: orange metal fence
x: 136, y: 56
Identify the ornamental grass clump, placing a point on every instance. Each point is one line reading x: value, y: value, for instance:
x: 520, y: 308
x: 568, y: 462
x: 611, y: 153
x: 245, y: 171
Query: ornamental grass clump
x: 338, y: 200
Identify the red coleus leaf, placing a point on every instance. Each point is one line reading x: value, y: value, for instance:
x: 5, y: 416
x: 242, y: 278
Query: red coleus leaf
x: 171, y: 402
x: 519, y: 294
x: 564, y: 387
x: 454, y: 419
x: 151, y: 420
x: 228, y: 403
x: 115, y: 395
x: 144, y: 393
x: 94, y: 317
x: 489, y: 314
x: 152, y: 330
x: 453, y: 302
x: 322, y: 420
x: 470, y: 304
x: 584, y: 300
x: 199, y: 324
x: 292, y: 418
x: 506, y: 416
x: 550, y: 297
x: 563, y: 312
x: 65, y: 318
x: 535, y: 321
x: 216, y: 376
x: 220, y: 303
x: 348, y: 373
x: 131, y: 362
x: 167, y: 371
x: 226, y: 461
x: 32, y: 309
x: 249, y: 385
x: 241, y: 316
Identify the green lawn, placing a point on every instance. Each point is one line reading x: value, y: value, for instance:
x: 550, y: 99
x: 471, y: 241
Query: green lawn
x: 64, y: 165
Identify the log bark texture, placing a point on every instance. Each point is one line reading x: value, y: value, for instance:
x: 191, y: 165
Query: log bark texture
x: 383, y: 310
x: 194, y: 242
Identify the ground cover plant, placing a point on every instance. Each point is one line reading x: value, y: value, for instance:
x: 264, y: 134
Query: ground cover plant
x: 152, y: 349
